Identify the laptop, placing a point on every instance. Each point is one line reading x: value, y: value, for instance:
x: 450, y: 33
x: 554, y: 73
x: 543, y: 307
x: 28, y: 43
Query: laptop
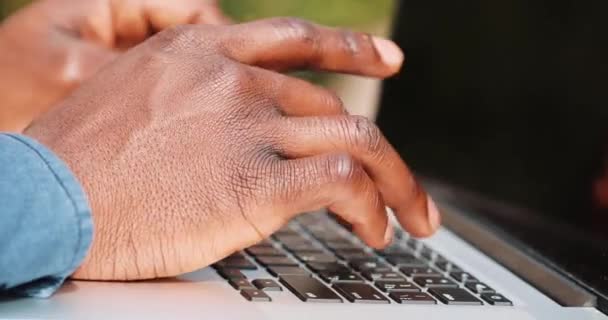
x: 502, y: 110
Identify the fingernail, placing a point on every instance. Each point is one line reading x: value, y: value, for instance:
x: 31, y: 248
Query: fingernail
x: 388, y: 234
x: 433, y: 213
x: 389, y: 52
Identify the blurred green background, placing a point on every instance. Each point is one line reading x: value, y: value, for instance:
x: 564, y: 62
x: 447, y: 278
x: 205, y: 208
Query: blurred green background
x: 8, y: 6
x: 357, y: 14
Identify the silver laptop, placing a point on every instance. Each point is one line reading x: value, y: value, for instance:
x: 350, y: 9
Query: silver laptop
x: 503, y: 109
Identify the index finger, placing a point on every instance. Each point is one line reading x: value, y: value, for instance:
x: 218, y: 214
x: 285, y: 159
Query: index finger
x: 290, y: 43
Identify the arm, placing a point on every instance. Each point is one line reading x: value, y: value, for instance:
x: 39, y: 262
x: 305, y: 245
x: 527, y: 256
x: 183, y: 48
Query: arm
x: 45, y: 220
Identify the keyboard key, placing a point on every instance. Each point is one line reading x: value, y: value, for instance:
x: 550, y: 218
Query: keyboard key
x: 356, y: 256
x: 313, y: 257
x: 328, y: 236
x: 341, y: 245
x: 360, y: 293
x: 276, y: 261
x: 353, y: 254
x: 235, y: 256
x: 496, y: 299
x: 263, y: 243
x: 231, y: 273
x: 301, y: 247
x: 253, y: 294
x: 394, y: 251
x: 332, y: 276
x: 334, y: 267
x: 409, y: 261
x: 266, y: 285
x: 309, y: 289
x: 454, y: 296
x: 390, y: 286
x: 312, y: 218
x: 373, y: 275
x: 463, y: 277
x: 430, y: 282
x: 362, y: 265
x: 478, y: 287
x: 419, y: 271
x: 400, y: 234
x: 318, y: 225
x: 235, y: 263
x: 412, y: 298
x: 325, y: 227
x: 413, y: 243
x: 278, y: 271
x: 240, y: 284
x: 439, y: 258
x: 293, y: 238
x: 307, y: 250
x: 265, y: 251
x: 447, y: 266
x: 286, y: 231
x: 427, y: 253
x: 443, y: 265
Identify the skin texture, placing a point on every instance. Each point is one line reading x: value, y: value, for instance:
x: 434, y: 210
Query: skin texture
x: 191, y: 146
x: 57, y: 44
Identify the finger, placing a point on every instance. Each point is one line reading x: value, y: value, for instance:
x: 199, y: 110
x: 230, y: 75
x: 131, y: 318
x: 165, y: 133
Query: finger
x: 297, y: 97
x: 164, y: 14
x: 289, y: 43
x: 211, y: 14
x: 360, y: 138
x: 338, y: 182
x: 98, y: 27
x: 130, y: 23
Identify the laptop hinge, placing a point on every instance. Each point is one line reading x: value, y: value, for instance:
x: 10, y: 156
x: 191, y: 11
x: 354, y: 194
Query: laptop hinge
x: 550, y: 282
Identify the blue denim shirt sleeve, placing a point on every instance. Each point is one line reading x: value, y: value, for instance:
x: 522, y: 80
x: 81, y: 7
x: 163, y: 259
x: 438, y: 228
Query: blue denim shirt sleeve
x: 45, y: 219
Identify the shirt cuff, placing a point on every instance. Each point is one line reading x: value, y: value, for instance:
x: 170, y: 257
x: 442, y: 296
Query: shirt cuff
x: 81, y: 215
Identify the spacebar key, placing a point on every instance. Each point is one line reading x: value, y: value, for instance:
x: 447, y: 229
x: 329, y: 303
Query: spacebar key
x: 309, y: 289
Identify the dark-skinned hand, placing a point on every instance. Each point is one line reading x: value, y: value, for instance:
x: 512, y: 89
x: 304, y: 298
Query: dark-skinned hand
x: 191, y: 146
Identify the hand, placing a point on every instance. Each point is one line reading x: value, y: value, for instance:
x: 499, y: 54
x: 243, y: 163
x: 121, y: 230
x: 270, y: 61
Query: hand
x: 51, y: 46
x: 189, y: 148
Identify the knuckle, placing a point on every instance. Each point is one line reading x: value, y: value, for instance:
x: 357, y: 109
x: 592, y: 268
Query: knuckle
x: 250, y: 186
x: 252, y: 177
x: 176, y: 38
x: 364, y: 135
x: 299, y: 29
x: 344, y: 169
x: 334, y: 102
x: 237, y: 76
x: 350, y: 42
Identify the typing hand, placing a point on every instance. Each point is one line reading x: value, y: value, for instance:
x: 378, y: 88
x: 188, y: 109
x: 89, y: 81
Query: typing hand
x: 48, y: 48
x: 191, y: 146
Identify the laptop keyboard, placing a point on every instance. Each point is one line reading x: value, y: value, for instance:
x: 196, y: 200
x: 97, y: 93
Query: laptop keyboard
x: 318, y: 260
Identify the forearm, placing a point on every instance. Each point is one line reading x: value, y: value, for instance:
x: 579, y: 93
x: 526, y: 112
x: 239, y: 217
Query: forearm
x: 46, y: 226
